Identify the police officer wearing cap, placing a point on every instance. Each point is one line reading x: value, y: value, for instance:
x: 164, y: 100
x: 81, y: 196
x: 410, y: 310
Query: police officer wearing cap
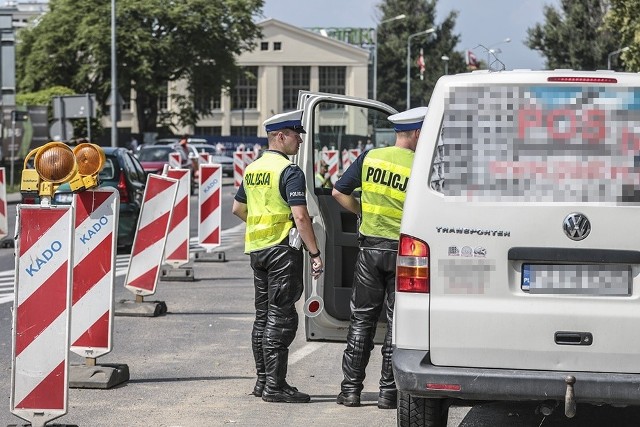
x: 272, y: 201
x: 383, y: 174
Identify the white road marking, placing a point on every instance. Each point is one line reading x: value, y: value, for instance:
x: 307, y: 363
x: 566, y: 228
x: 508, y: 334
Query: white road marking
x: 300, y: 354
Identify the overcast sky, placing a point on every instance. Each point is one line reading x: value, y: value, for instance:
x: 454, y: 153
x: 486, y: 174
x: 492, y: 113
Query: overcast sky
x: 486, y: 22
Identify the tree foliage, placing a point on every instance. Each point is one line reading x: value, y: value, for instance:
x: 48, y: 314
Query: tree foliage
x: 43, y: 97
x: 157, y: 42
x: 575, y: 36
x: 393, y: 38
x: 624, y: 20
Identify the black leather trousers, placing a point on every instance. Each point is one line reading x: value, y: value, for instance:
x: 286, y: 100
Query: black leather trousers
x: 277, y: 278
x: 374, y: 282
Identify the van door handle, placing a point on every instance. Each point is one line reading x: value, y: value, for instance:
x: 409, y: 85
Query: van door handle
x: 573, y: 338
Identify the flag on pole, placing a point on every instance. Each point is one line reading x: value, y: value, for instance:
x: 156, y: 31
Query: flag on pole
x: 420, y: 63
x: 472, y: 61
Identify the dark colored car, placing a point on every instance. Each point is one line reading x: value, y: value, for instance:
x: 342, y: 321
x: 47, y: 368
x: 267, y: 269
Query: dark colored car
x: 123, y: 172
x: 225, y: 161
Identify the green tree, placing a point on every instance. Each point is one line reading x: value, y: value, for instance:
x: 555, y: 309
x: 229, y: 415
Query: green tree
x: 574, y: 36
x: 393, y: 40
x: 624, y: 18
x: 157, y: 42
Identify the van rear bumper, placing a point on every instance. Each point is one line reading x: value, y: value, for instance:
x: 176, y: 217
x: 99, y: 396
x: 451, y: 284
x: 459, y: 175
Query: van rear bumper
x: 413, y: 371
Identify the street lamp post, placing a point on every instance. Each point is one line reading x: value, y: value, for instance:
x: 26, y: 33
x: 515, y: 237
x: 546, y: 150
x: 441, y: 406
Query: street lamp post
x: 430, y: 30
x: 114, y: 79
x: 445, y: 59
x: 375, y: 52
x: 494, y: 51
x: 615, y: 52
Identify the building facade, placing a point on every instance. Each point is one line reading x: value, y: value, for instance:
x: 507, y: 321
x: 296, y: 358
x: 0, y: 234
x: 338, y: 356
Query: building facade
x: 286, y: 60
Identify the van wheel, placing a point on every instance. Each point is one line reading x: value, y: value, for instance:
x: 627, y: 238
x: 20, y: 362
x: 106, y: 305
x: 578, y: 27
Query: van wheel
x: 420, y: 412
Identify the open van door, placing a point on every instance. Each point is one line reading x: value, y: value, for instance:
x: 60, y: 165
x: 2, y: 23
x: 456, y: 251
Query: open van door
x: 338, y: 129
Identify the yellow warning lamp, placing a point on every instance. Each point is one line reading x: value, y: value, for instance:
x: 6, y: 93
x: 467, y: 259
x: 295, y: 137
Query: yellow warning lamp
x: 54, y: 164
x: 90, y: 159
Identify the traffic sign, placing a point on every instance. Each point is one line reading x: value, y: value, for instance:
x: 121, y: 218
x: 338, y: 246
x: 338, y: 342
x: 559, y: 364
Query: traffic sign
x: 60, y: 131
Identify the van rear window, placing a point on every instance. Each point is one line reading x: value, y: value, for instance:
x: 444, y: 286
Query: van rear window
x: 559, y: 143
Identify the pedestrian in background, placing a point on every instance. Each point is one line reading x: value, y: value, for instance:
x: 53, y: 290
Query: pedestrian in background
x: 272, y: 201
x: 383, y: 174
x: 322, y: 178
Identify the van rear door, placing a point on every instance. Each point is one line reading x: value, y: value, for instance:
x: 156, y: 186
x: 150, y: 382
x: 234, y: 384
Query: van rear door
x: 530, y: 221
x: 338, y: 128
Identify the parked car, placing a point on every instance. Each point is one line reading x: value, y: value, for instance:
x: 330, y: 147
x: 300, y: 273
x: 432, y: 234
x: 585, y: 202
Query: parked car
x: 123, y: 172
x: 225, y: 161
x: 154, y: 157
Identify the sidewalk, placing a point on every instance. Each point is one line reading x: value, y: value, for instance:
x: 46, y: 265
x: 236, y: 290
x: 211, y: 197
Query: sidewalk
x: 13, y: 198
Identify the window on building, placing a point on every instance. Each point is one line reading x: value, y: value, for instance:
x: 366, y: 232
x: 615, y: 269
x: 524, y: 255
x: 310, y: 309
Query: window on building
x: 244, y: 130
x: 209, y: 102
x: 277, y: 45
x: 126, y: 100
x: 208, y: 130
x: 163, y: 97
x: 332, y: 80
x: 294, y: 79
x: 245, y: 94
x: 264, y: 45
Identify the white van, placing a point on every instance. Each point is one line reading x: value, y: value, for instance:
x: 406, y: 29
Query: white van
x: 519, y: 252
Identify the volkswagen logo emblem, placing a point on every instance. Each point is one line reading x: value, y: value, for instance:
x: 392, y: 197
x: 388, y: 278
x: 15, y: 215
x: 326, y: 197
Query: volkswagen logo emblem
x: 576, y: 226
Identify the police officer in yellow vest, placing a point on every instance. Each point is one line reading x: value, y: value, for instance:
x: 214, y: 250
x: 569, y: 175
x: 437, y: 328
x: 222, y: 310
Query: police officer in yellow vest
x: 383, y: 174
x: 272, y: 201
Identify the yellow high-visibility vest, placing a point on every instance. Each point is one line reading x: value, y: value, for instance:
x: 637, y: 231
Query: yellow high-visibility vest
x: 268, y: 214
x: 385, y: 174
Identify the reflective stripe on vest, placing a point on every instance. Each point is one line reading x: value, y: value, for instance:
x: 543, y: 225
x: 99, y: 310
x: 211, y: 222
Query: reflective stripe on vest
x: 385, y: 174
x: 268, y: 214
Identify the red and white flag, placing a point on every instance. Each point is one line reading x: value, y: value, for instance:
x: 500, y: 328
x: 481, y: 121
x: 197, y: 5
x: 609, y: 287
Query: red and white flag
x: 472, y: 61
x: 420, y: 63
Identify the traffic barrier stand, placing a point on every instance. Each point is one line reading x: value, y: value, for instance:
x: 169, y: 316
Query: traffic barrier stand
x: 175, y: 160
x: 241, y: 159
x: 331, y: 157
x: 176, y: 252
x: 94, y: 255
x: 209, y: 213
x: 148, y: 247
x: 204, y: 158
x: 41, y: 316
x: 348, y: 157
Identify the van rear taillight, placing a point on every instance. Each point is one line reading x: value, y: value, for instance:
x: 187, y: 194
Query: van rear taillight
x: 412, y: 266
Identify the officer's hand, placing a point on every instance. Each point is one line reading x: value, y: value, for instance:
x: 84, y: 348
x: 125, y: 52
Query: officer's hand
x: 316, y: 267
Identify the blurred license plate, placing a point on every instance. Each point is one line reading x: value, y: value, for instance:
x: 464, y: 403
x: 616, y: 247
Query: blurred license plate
x: 63, y: 198
x: 578, y: 279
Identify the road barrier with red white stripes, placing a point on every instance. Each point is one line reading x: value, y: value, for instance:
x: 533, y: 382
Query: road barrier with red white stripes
x: 348, y: 157
x: 204, y: 158
x: 94, y: 255
x: 151, y: 235
x: 41, y: 321
x: 209, y: 201
x: 331, y: 158
x: 175, y: 160
x: 241, y: 159
x: 177, y: 247
x: 4, y: 223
